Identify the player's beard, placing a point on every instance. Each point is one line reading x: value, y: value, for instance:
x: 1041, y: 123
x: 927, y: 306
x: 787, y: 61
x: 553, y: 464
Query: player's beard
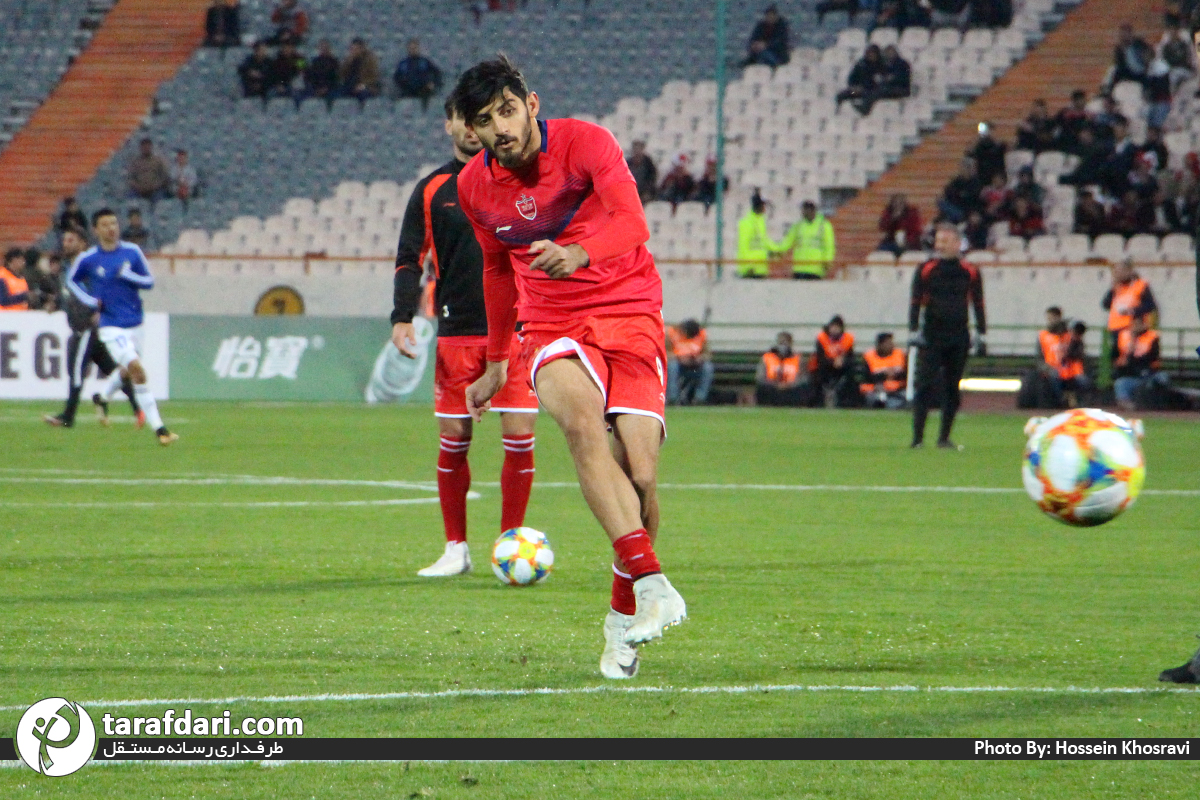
x: 514, y: 159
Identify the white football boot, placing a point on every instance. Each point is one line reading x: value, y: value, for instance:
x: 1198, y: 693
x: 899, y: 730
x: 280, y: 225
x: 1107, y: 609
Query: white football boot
x: 455, y: 561
x: 659, y: 607
x: 618, y: 660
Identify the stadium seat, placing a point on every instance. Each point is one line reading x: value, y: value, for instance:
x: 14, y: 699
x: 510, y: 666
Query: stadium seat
x: 1144, y: 248
x: 1178, y: 247
x: 1109, y: 246
x: 1044, y: 250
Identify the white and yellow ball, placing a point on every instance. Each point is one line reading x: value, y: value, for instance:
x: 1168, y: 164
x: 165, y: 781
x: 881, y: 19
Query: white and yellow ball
x: 522, y: 556
x: 1083, y: 467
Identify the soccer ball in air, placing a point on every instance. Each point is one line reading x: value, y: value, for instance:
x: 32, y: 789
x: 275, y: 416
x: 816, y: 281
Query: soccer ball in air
x: 1083, y: 467
x: 522, y: 556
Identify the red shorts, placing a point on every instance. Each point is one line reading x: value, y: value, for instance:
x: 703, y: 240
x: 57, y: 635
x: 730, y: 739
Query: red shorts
x: 461, y: 360
x: 625, y: 355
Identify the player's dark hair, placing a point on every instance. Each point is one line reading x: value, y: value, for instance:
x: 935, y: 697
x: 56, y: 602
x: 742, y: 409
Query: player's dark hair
x: 104, y: 212
x: 1055, y: 310
x: 449, y: 107
x: 486, y: 81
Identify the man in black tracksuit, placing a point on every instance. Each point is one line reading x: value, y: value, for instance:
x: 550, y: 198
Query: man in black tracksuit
x: 84, y: 347
x: 944, y: 286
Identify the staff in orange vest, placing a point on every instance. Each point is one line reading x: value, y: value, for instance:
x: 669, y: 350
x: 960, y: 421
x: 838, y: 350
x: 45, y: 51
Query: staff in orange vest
x: 887, y: 373
x: 14, y: 289
x: 779, y: 380
x: 1061, y: 352
x: 1129, y: 297
x: 1139, y: 354
x: 689, y: 364
x: 833, y: 365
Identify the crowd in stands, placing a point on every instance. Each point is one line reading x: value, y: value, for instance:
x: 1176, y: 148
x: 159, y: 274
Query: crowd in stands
x: 287, y: 72
x: 679, y: 185
x: 903, y: 14
x: 878, y: 75
x: 150, y: 178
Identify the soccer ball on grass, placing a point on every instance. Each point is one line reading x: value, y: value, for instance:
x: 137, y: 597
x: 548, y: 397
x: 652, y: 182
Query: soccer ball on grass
x: 522, y: 556
x: 1083, y: 467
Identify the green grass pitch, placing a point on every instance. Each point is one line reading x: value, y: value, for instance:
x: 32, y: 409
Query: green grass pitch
x: 129, y: 571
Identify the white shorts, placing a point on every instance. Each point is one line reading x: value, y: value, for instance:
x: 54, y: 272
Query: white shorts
x: 124, y: 344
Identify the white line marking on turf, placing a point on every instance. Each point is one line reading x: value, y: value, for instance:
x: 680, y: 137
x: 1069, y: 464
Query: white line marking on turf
x: 781, y: 487
x: 248, y: 504
x: 607, y: 689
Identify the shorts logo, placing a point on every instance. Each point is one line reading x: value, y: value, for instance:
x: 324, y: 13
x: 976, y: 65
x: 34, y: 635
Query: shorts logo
x: 527, y: 206
x: 658, y: 365
x: 55, y: 737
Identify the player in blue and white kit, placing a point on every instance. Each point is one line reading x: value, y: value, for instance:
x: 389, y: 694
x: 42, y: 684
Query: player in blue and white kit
x: 114, y: 272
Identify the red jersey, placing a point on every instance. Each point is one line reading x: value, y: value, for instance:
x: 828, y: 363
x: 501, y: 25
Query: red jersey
x: 557, y: 198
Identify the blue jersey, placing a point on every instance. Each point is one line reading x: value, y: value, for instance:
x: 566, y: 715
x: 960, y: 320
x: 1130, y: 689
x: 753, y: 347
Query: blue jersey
x: 111, y: 280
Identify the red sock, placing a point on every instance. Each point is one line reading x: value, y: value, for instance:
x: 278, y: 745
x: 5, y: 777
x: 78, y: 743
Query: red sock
x: 454, y: 479
x: 516, y: 479
x: 623, y: 600
x: 637, y: 554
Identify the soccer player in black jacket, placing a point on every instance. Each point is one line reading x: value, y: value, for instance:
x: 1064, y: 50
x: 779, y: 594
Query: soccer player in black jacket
x: 435, y: 226
x: 944, y: 286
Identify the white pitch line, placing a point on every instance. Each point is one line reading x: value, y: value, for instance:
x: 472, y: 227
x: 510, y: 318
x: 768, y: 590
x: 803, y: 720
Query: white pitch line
x: 608, y: 689
x: 248, y: 504
x: 782, y: 487
x: 225, y: 480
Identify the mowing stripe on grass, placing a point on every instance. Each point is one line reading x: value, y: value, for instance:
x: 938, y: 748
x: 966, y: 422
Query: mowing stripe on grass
x: 609, y: 689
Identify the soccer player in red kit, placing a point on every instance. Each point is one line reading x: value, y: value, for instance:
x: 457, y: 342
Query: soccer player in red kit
x: 557, y: 214
x: 435, y: 226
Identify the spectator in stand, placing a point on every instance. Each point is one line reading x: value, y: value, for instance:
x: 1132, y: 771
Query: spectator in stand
x: 1131, y: 215
x: 1037, y: 132
x: 901, y: 226
x: 887, y: 374
x: 71, y: 216
x: 286, y: 68
x: 997, y: 199
x: 895, y: 79
x: 778, y: 380
x: 812, y: 243
x: 645, y: 173
x: 135, y: 231
x: 1028, y: 188
x: 290, y: 21
x: 321, y: 78
x: 706, y: 188
x: 1026, y: 219
x: 185, y: 183
x: 989, y: 13
x: 863, y: 78
x: 1181, y: 195
x: 678, y: 185
x: 833, y: 366
x: 1142, y: 180
x: 1093, y: 157
x: 977, y: 230
x: 222, y: 24
x: 1129, y: 297
x: 417, y: 76
x: 360, y: 72
x: 148, y: 175
x: 851, y: 7
x: 689, y: 366
x: 1131, y: 58
x: 901, y: 14
x: 45, y: 283
x: 1091, y: 218
x: 1069, y: 121
x: 255, y: 72
x: 962, y: 195
x: 1108, y: 116
x: 1120, y: 161
x: 755, y: 246
x: 769, y: 40
x: 1175, y: 49
x: 989, y: 155
x: 1156, y: 147
x: 1137, y: 367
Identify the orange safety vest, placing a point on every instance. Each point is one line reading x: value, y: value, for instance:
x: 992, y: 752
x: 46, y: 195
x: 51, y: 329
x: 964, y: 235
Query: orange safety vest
x: 1054, y: 352
x: 1127, y: 347
x: 15, y: 286
x: 1125, y: 300
x: 878, y: 363
x: 781, y: 370
x: 834, y: 349
x: 683, y: 347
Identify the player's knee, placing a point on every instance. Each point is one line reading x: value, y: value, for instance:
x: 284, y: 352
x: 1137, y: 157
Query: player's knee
x: 135, y: 372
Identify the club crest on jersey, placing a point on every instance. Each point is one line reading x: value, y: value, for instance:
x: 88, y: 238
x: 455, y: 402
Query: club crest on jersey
x: 527, y: 206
